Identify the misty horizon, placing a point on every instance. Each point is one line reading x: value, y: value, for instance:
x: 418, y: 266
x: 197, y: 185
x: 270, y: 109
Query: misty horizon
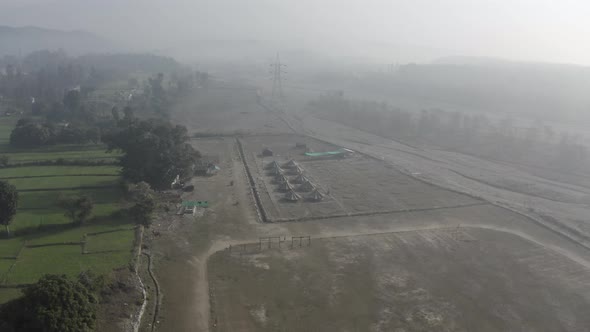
x: 418, y: 32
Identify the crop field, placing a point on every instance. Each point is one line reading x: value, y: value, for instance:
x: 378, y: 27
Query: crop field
x: 351, y: 185
x: 43, y: 239
x: 430, y: 280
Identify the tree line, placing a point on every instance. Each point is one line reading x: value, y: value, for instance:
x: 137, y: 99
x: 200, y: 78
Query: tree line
x: 500, y: 138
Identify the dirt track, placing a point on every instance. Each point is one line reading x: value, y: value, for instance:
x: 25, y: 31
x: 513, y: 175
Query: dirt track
x: 184, y: 248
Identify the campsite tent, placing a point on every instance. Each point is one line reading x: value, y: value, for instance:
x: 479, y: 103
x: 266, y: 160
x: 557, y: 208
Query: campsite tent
x: 300, y: 179
x: 285, y: 186
x: 307, y: 186
x: 315, y: 195
x: 281, y: 179
x: 272, y: 165
x: 292, y: 196
x: 276, y: 171
x: 290, y: 164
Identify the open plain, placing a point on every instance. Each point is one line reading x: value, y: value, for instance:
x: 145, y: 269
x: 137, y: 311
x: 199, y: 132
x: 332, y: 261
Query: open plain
x: 399, y: 242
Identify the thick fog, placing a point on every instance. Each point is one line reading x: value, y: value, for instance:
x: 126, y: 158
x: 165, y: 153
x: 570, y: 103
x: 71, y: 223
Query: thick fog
x: 417, y: 30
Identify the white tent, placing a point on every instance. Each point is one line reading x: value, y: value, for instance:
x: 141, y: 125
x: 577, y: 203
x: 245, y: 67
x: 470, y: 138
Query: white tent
x: 316, y: 195
x: 307, y: 186
x: 285, y: 186
x: 292, y: 196
x: 291, y: 163
x: 300, y: 179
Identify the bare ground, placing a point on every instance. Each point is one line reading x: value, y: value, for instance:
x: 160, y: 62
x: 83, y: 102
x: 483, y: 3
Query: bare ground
x: 185, y: 244
x: 443, y: 280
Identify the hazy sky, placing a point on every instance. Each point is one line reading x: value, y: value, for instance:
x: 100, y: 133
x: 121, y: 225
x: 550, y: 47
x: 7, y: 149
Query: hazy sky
x: 519, y: 29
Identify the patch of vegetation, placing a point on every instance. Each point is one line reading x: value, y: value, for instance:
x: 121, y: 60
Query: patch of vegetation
x: 55, y: 303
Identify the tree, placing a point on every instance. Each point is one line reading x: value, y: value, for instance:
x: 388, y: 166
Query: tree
x: 31, y: 134
x: 155, y: 151
x: 8, y: 204
x: 4, y: 160
x: 72, y: 100
x: 78, y: 208
x: 55, y: 303
x: 143, y: 196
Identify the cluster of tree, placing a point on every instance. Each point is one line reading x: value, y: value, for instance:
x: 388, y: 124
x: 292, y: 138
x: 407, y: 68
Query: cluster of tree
x: 55, y: 303
x: 155, y: 151
x: 549, y: 91
x: 476, y: 134
x: 41, y: 79
x: 144, y: 203
x: 29, y: 133
x: 77, y: 208
x: 159, y: 91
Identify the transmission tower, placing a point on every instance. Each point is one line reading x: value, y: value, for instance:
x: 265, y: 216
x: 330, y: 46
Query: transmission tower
x: 277, y: 82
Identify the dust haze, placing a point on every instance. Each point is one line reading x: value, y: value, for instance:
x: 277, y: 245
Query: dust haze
x: 317, y: 165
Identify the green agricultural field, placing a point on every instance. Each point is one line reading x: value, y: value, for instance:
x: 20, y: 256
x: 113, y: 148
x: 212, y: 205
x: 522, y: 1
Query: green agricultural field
x: 40, y: 227
x: 77, y: 152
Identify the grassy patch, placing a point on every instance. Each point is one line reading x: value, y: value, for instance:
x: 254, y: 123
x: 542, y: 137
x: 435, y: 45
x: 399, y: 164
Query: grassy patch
x: 50, y: 171
x: 7, y: 294
x: 65, y: 259
x: 115, y: 241
x: 39, y: 222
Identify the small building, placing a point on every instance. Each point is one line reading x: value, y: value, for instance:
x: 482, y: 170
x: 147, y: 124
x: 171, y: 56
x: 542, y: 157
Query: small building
x: 266, y: 152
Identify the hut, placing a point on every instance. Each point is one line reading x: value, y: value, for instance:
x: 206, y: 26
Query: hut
x: 285, y: 186
x: 315, y: 196
x: 292, y: 196
x: 300, y: 179
x: 266, y: 152
x: 307, y: 186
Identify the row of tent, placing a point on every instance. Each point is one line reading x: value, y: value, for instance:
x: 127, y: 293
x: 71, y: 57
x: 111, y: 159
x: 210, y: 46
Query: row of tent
x: 284, y: 185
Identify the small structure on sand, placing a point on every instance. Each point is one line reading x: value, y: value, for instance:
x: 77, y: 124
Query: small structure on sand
x: 292, y: 196
x: 285, y: 186
x: 281, y: 179
x: 290, y: 164
x: 297, y: 170
x: 300, y: 179
x: 276, y: 171
x: 272, y: 165
x: 266, y: 152
x: 315, y: 196
x: 307, y: 186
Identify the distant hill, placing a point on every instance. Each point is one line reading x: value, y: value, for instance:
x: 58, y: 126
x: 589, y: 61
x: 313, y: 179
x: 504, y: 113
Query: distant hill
x: 23, y: 40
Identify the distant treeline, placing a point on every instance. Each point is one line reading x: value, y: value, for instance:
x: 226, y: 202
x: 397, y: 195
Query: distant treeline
x: 547, y: 91
x: 44, y: 77
x: 476, y: 134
